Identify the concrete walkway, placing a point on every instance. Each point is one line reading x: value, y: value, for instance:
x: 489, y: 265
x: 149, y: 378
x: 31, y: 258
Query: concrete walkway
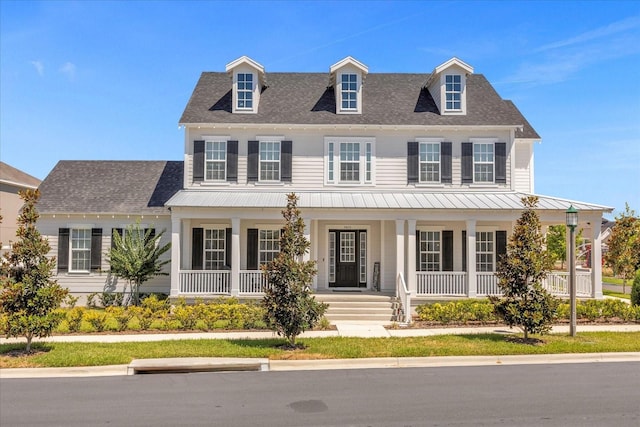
x: 343, y: 329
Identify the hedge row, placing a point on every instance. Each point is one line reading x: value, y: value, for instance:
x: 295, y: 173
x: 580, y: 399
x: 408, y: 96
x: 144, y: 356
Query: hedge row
x: 481, y: 311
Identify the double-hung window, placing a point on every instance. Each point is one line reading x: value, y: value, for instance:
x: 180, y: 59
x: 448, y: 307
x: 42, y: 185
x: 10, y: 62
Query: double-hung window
x: 483, y: 162
x: 349, y: 160
x: 429, y: 247
x: 214, y: 249
x: 453, y: 92
x: 269, y: 161
x: 484, y: 250
x: 430, y: 162
x: 244, y: 91
x: 80, y: 250
x: 268, y: 245
x: 349, y: 92
x: 215, y: 160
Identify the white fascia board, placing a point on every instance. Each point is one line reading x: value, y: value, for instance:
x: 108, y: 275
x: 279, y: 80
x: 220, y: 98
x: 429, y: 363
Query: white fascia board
x: 354, y: 126
x: 17, y: 184
x: 528, y: 140
x: 351, y: 61
x: 244, y: 60
x: 442, y: 67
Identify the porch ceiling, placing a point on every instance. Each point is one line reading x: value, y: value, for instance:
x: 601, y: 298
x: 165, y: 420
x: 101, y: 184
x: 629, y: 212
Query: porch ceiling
x: 372, y: 200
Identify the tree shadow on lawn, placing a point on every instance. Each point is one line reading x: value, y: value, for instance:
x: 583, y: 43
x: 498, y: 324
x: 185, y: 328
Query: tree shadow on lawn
x: 19, y: 350
x: 274, y: 343
x: 510, y: 338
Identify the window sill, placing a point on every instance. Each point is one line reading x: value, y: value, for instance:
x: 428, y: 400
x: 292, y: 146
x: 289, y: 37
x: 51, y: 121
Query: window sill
x: 427, y: 185
x: 349, y: 184
x: 487, y: 185
x: 269, y: 183
x: 214, y: 184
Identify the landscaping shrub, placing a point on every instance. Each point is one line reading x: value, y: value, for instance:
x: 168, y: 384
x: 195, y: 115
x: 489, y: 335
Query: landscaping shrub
x: 74, y: 318
x: 459, y: 312
x: 108, y: 299
x: 97, y: 319
x: 121, y: 315
x: 635, y: 290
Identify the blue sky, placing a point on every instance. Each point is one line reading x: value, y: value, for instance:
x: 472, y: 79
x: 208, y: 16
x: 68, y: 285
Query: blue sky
x: 109, y: 80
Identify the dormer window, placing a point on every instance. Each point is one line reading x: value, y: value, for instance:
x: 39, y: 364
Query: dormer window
x: 453, y: 92
x: 349, y: 91
x: 245, y: 91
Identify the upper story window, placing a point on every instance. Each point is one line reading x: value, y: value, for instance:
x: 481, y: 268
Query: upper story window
x: 430, y: 162
x: 483, y: 162
x: 215, y: 162
x: 269, y: 161
x: 349, y: 160
x: 244, y: 91
x: 80, y: 249
x: 349, y: 91
x: 453, y: 92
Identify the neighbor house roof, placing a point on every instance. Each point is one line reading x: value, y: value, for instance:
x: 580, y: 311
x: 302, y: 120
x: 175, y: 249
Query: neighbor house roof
x: 387, y: 99
x: 15, y: 177
x: 110, y: 187
x: 373, y: 200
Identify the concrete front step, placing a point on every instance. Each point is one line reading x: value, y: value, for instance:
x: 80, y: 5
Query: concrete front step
x: 358, y: 307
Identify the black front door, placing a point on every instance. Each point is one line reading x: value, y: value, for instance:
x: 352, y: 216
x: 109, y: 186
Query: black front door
x: 347, y: 258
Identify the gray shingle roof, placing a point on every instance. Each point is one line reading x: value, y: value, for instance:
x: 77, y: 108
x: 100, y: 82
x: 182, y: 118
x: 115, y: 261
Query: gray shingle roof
x: 114, y: 187
x: 13, y: 176
x: 387, y: 99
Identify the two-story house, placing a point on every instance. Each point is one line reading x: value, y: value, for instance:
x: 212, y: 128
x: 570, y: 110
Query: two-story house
x: 405, y: 181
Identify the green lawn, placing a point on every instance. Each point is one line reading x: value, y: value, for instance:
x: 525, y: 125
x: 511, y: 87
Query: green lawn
x: 92, y: 354
x: 616, y: 294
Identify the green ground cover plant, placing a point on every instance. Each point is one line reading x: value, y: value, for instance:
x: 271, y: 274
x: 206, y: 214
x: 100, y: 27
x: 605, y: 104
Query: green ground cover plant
x: 100, y: 354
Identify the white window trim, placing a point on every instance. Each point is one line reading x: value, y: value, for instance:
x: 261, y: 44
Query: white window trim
x: 475, y: 141
x: 357, y: 92
x: 269, y: 181
x: 84, y: 227
x: 422, y: 141
x: 432, y: 229
x: 454, y: 92
x: 463, y: 93
x: 267, y: 228
x: 492, y: 231
x: 336, y: 141
x: 215, y: 140
x: 205, y: 250
x: 252, y: 91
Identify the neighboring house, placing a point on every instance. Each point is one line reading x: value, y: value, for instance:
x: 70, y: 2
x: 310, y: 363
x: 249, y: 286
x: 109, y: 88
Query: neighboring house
x: 403, y: 180
x: 12, y: 181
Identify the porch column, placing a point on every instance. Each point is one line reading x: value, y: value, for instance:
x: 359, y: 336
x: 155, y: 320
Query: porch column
x: 235, y: 256
x: 411, y: 256
x: 314, y: 249
x: 175, y: 256
x: 383, y: 256
x: 185, y: 233
x: 596, y: 259
x: 472, y: 278
x: 399, y: 249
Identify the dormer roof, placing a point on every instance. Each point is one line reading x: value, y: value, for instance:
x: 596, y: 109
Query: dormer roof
x: 349, y: 60
x: 245, y: 60
x: 446, y: 65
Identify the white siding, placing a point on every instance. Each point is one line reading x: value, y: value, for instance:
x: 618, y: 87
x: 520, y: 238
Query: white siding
x: 523, y: 167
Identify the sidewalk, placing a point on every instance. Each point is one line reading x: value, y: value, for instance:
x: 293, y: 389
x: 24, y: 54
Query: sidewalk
x: 344, y: 329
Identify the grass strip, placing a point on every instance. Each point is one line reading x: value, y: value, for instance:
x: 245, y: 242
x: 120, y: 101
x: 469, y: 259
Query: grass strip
x: 99, y: 354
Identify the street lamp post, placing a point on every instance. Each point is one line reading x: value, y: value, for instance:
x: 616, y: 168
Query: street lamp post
x: 572, y: 222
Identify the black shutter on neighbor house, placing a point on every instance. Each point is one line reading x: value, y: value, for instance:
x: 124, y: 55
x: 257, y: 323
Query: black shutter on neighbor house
x: 446, y: 175
x: 501, y: 162
x: 252, y: 249
x: 227, y: 248
x: 285, y: 160
x: 63, y: 250
x: 467, y: 162
x: 232, y: 161
x: 447, y: 250
x: 152, y: 233
x: 117, y: 231
x: 252, y: 160
x: 197, y: 249
x: 198, y: 161
x: 501, y: 245
x: 417, y: 250
x: 464, y: 250
x: 413, y: 167
x: 96, y: 249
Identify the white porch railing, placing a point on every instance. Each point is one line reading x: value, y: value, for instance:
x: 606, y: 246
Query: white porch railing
x: 405, y: 297
x: 205, y: 282
x: 441, y: 283
x: 252, y: 282
x: 487, y: 284
x: 557, y: 283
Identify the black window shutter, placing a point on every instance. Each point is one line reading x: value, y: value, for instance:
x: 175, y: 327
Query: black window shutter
x: 117, y: 231
x: 152, y: 233
x: 252, y: 249
x: 446, y: 175
x: 413, y: 173
x: 285, y: 159
x: 252, y: 160
x: 197, y: 248
x: 227, y: 248
x: 464, y: 250
x: 501, y: 244
x: 501, y: 162
x: 467, y: 162
x: 63, y: 250
x: 447, y: 250
x: 96, y: 249
x: 232, y: 161
x: 418, y: 250
x: 198, y: 161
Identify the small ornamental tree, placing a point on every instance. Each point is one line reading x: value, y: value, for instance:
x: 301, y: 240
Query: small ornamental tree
x: 29, y: 296
x: 135, y: 257
x: 557, y: 243
x: 524, y: 303
x: 290, y: 307
x: 623, y: 255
